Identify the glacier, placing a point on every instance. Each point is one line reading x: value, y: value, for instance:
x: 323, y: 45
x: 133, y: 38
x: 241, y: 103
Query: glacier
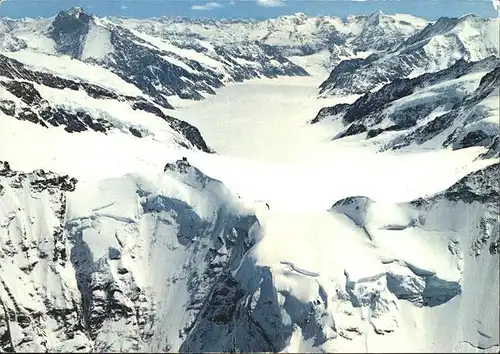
x: 296, y: 184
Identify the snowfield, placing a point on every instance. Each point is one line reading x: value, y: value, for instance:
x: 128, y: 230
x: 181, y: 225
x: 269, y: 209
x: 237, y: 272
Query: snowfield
x: 74, y: 69
x: 283, y: 240
x: 262, y: 155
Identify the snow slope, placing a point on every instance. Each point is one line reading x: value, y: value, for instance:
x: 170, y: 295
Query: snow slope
x: 74, y: 69
x: 249, y: 281
x: 100, y: 268
x: 455, y: 107
x: 97, y: 43
x: 48, y: 100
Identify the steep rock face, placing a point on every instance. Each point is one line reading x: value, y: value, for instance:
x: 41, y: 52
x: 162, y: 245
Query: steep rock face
x: 372, y: 103
x: 38, y: 292
x: 421, y: 259
x: 175, y: 262
x: 343, y: 70
x: 382, y: 32
x: 130, y: 274
x: 143, y: 65
x: 472, y: 122
x: 69, y: 30
x: 192, y: 80
x: 124, y: 55
x: 434, y: 48
x: 23, y: 99
x: 440, y: 107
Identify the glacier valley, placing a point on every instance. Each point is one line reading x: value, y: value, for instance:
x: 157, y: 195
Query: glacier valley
x: 296, y: 184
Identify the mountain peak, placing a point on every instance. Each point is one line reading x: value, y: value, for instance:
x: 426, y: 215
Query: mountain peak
x: 375, y: 17
x: 469, y: 17
x: 76, y: 12
x: 68, y: 29
x: 376, y: 14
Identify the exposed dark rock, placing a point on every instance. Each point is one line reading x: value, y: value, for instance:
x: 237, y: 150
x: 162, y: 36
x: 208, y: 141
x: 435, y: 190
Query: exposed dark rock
x: 374, y: 132
x: 23, y: 90
x: 353, y: 129
x: 374, y: 111
x: 39, y: 179
x: 143, y: 65
x: 372, y: 102
x: 40, y: 111
x: 474, y: 138
x: 13, y: 69
x: 8, y: 107
x: 147, y: 107
x: 441, y: 26
x: 114, y: 253
x: 481, y: 186
x: 68, y: 29
x: 342, y: 71
x: 330, y: 111
x: 135, y: 132
x: 190, y: 132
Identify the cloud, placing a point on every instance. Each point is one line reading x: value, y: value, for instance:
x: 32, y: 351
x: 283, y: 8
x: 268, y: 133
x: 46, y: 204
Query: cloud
x: 271, y: 3
x: 123, y: 7
x: 207, y: 7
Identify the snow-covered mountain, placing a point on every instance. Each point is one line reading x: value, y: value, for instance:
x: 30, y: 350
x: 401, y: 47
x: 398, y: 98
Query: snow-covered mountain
x: 189, y: 58
x: 434, y: 48
x: 157, y: 66
x: 455, y: 107
x: 461, y: 225
x: 327, y: 39
x: 178, y: 263
x: 126, y: 275
x: 297, y: 34
x: 51, y: 101
x: 122, y: 231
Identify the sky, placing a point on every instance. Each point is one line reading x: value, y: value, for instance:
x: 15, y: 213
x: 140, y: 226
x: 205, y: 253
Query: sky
x: 258, y: 9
